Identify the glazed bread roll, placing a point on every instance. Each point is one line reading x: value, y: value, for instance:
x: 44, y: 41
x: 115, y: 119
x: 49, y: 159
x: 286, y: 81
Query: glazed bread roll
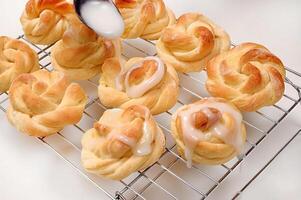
x: 81, y: 53
x: 145, y: 81
x: 209, y: 131
x: 43, y: 103
x: 144, y: 18
x: 191, y: 42
x: 16, y: 58
x: 45, y: 21
x: 114, y: 149
x: 249, y: 76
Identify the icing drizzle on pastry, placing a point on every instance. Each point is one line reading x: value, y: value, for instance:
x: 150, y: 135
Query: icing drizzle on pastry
x: 143, y: 146
x: 192, y: 135
x: 126, y: 140
x: 136, y: 91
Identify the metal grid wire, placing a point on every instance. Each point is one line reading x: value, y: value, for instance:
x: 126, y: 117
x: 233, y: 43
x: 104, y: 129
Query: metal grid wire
x: 171, y: 167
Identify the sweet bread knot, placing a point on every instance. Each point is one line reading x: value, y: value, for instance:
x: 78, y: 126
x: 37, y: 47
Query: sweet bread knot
x: 45, y: 21
x: 209, y: 131
x: 81, y: 52
x: 16, y: 58
x: 145, y: 81
x: 191, y: 42
x: 116, y: 148
x: 249, y: 76
x: 144, y: 18
x: 43, y: 103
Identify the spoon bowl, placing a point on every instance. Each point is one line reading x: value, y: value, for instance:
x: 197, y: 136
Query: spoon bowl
x: 102, y: 16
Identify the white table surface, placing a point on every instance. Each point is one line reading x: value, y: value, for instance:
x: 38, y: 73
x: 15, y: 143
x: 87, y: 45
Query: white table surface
x: 28, y: 170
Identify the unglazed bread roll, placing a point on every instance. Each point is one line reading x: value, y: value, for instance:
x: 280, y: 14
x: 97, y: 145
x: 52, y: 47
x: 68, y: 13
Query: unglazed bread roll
x: 81, y: 53
x: 249, y: 76
x: 43, y: 103
x: 146, y: 81
x: 191, y: 42
x: 123, y: 141
x: 45, y: 21
x: 16, y: 58
x: 209, y: 131
x: 144, y: 18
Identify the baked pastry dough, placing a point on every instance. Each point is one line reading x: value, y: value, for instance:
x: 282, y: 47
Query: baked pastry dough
x: 43, y: 103
x: 249, y: 76
x: 16, y: 58
x: 144, y: 18
x: 209, y: 131
x: 191, y: 42
x: 45, y: 21
x: 146, y: 81
x: 81, y: 53
x: 123, y: 141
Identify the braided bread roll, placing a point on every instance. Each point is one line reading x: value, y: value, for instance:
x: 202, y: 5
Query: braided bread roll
x: 81, y: 53
x: 249, y: 76
x: 45, y: 21
x: 16, y: 58
x: 114, y: 149
x: 209, y: 131
x: 144, y: 18
x: 145, y: 81
x: 43, y: 103
x: 191, y: 42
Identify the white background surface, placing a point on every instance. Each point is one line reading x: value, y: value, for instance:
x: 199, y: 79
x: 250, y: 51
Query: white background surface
x: 28, y: 170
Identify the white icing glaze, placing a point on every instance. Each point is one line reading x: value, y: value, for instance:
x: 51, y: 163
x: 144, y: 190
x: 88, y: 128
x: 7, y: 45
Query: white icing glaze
x: 144, y: 145
x: 140, y: 89
x: 118, y: 79
x: 188, y: 156
x: 126, y: 140
x: 118, y: 84
x: 192, y: 135
x: 211, y: 116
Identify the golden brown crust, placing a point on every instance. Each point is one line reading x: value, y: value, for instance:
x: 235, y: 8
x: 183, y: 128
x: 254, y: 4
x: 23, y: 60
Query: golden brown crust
x: 213, y: 150
x: 109, y: 157
x: 45, y: 21
x: 191, y: 42
x: 249, y: 76
x: 144, y: 18
x: 16, y: 58
x: 81, y: 53
x: 158, y: 99
x: 43, y: 103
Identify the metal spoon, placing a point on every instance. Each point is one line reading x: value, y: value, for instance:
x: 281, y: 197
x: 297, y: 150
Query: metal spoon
x: 102, y: 16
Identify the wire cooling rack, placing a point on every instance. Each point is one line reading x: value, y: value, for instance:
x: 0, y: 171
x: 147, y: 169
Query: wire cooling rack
x: 169, y: 178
